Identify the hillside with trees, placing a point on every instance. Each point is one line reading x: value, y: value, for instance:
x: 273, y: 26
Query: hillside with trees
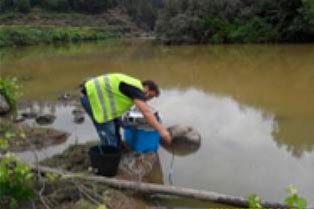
x: 176, y: 21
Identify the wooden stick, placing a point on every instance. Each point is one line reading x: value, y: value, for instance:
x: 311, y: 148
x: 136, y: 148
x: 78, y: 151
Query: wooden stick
x: 149, y: 188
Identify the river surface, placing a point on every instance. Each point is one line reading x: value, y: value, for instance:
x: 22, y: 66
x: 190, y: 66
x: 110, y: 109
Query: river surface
x: 252, y: 104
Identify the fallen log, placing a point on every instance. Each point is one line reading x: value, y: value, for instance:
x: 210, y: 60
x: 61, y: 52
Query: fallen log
x: 149, y: 188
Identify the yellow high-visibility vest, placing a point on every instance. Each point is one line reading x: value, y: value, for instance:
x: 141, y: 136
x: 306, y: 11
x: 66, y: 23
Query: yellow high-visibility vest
x: 105, y: 98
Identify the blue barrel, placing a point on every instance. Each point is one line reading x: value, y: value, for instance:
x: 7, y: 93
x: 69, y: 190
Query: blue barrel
x: 141, y: 140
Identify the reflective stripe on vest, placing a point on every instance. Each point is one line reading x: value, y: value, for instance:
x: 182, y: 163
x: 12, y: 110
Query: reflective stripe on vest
x: 111, y: 97
x: 106, y: 100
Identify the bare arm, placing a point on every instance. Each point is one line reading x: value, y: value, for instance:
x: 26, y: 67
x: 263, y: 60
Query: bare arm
x: 151, y: 119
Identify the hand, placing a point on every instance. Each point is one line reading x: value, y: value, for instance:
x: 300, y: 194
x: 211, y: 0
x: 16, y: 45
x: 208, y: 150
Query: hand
x: 165, y: 135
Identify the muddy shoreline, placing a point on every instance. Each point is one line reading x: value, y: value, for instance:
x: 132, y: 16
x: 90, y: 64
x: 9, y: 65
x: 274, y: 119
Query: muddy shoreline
x: 60, y: 193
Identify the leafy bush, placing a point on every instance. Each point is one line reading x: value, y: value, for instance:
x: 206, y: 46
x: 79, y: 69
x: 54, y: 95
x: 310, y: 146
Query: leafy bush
x: 56, y: 5
x: 294, y: 200
x: 22, y: 36
x: 7, y: 133
x: 10, y: 90
x: 6, y: 5
x: 23, y: 6
x: 237, y: 20
x: 252, y: 30
x: 16, y: 181
x: 308, y: 11
x: 255, y: 201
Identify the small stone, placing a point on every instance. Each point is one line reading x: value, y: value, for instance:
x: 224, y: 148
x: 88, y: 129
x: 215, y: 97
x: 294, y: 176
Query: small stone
x: 45, y: 119
x: 4, y: 105
x: 79, y: 119
x: 19, y: 119
x: 78, y: 111
x: 29, y: 115
x: 78, y: 115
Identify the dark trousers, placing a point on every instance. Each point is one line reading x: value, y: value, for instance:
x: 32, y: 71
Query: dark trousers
x: 108, y: 132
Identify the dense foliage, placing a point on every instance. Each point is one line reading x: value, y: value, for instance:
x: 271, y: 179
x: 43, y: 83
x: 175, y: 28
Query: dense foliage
x: 228, y: 21
x: 16, y: 181
x: 144, y: 12
x: 9, y: 89
x: 23, y: 35
x: 199, y: 21
x: 293, y: 200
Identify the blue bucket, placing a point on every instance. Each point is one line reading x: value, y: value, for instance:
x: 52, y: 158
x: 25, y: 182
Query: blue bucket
x: 142, y: 140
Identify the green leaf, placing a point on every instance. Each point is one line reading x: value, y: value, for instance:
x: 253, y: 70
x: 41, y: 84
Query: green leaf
x: 254, y: 201
x: 291, y: 190
x: 4, y: 145
x: 291, y: 200
x: 9, y: 134
x: 102, y: 207
x: 301, y: 203
x: 13, y: 203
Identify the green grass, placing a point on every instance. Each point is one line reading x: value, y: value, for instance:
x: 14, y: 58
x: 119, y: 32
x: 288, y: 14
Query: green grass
x: 33, y: 35
x: 9, y: 88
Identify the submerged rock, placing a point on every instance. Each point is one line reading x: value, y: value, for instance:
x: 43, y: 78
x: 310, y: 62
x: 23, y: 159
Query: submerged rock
x: 79, y: 115
x: 19, y: 119
x: 79, y: 119
x: 45, y: 119
x: 24, y: 137
x: 4, y: 105
x: 29, y: 115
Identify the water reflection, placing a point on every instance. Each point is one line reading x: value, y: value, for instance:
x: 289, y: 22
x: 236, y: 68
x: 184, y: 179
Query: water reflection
x: 217, y: 118
x: 276, y: 78
x: 238, y: 154
x: 79, y: 133
x: 254, y: 106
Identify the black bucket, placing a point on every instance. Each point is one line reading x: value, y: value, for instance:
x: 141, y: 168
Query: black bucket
x: 105, y: 159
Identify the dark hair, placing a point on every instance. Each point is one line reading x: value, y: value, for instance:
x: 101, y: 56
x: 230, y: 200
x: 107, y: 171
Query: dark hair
x: 152, y: 86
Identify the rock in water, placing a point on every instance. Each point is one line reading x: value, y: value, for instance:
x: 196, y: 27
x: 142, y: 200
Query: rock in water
x: 186, y: 136
x: 78, y: 116
x: 45, y: 119
x: 29, y: 115
x: 4, y: 105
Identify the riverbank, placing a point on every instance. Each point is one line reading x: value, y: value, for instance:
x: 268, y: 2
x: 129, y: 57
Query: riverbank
x: 33, y: 35
x: 176, y: 22
x: 51, y: 191
x: 42, y: 27
x: 15, y: 137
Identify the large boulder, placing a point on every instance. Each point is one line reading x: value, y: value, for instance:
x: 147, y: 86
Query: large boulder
x: 186, y: 136
x: 4, y: 105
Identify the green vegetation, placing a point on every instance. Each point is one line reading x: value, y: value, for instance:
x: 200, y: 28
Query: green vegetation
x: 255, y: 201
x: 16, y: 181
x: 144, y: 12
x: 195, y: 21
x: 23, y: 35
x: 241, y: 21
x: 293, y: 200
x: 10, y: 90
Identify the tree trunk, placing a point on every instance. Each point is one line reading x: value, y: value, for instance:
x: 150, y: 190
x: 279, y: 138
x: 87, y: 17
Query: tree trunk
x: 148, y: 188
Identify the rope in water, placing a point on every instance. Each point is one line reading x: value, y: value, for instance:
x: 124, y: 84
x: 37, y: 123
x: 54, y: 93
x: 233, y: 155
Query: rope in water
x: 171, y: 166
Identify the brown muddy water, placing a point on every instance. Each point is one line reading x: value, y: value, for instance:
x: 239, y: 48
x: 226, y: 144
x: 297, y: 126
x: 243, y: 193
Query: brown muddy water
x: 253, y: 105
